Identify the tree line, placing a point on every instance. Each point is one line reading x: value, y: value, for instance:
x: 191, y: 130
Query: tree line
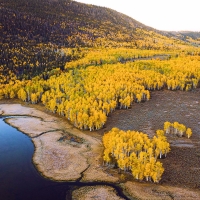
x: 86, y: 96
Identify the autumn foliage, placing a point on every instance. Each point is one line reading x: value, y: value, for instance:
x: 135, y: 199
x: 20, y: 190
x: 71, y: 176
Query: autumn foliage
x: 135, y: 152
x: 177, y: 129
x: 87, y: 95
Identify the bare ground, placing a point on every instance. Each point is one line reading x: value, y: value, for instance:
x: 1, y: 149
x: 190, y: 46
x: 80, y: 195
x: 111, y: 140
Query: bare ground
x: 95, y: 192
x: 145, y: 191
x: 182, y: 165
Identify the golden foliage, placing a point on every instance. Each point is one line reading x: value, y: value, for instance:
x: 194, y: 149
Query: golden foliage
x: 177, y: 129
x: 87, y: 94
x: 134, y: 151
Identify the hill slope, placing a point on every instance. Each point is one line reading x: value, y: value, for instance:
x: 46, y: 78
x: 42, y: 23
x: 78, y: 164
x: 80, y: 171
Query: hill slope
x: 69, y: 23
x: 190, y: 37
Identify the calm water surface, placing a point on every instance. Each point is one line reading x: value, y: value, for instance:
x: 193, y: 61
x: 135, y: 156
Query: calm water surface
x: 19, y: 180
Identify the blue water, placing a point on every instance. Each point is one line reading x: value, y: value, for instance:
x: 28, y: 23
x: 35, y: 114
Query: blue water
x: 19, y: 180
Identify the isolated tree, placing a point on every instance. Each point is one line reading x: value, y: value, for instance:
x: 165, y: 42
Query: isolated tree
x: 189, y: 132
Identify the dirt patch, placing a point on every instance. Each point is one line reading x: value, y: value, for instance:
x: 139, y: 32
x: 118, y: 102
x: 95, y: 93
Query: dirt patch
x: 144, y: 191
x: 73, y: 140
x: 56, y: 160
x: 96, y: 171
x: 33, y: 126
x: 95, y: 192
x: 182, y: 163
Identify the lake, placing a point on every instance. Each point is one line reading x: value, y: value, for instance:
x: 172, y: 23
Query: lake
x: 19, y: 179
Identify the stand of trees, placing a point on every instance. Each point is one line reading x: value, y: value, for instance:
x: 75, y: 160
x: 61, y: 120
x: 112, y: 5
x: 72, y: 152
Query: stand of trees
x: 177, y: 129
x: 87, y: 95
x: 135, y: 152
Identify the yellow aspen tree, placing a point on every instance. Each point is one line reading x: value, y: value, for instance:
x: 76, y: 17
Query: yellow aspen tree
x: 113, y: 105
x: 1, y: 93
x: 28, y: 91
x: 167, y: 126
x: 6, y: 92
x: 133, y: 158
x: 85, y: 118
x: 143, y: 157
x: 135, y: 169
x: 102, y: 118
x: 182, y: 86
x: 127, y: 102
x: 91, y: 123
x: 157, y: 153
x: 138, y: 97
x: 138, y: 148
x: 60, y: 109
x: 147, y: 95
x: 189, y: 132
x: 195, y: 82
x: 166, y: 148
x: 160, y: 133
x: 188, y: 87
x: 12, y: 94
x: 141, y: 173
x: 33, y: 98
x: 126, y: 163
x: 79, y: 120
x: 117, y: 152
x: 44, y: 98
x: 158, y: 171
x: 182, y: 130
x: 175, y: 126
x: 150, y: 152
x: 147, y: 171
x: 121, y: 163
x: 23, y: 95
x: 106, y: 157
x: 52, y: 105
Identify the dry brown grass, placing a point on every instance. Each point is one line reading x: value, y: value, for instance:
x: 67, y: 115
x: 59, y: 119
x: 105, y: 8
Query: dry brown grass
x: 95, y: 192
x: 54, y: 158
x: 144, y: 191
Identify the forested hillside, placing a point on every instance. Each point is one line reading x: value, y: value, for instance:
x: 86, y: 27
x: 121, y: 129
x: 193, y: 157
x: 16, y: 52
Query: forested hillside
x: 71, y: 24
x: 190, y: 37
x: 34, y: 33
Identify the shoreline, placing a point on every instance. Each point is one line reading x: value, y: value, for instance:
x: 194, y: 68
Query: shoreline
x: 72, y: 161
x: 45, y: 131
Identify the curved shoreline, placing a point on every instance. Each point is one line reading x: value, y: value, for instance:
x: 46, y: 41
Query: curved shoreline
x: 54, y: 159
x: 45, y: 132
x: 69, y: 161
